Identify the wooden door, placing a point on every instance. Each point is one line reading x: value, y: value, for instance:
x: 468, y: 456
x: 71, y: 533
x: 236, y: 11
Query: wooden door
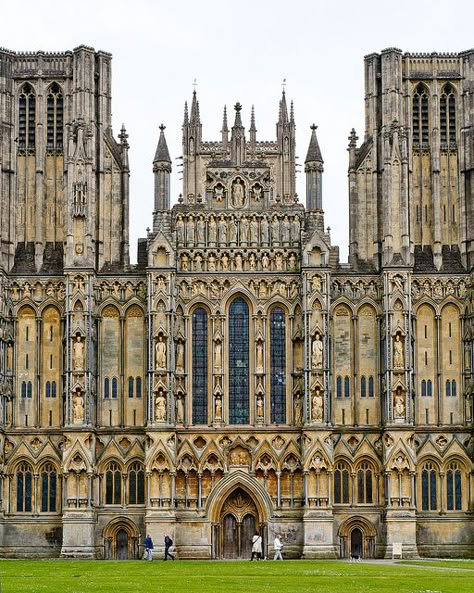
x: 248, y: 530
x: 356, y: 543
x: 121, y: 545
x: 229, y: 537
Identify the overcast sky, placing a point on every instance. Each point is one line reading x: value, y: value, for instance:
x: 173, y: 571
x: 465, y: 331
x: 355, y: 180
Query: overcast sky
x: 238, y: 51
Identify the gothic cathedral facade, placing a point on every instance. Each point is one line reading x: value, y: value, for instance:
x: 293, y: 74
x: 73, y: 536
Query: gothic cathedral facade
x: 239, y: 377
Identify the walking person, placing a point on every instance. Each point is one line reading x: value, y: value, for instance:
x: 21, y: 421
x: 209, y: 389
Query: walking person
x: 148, y: 547
x: 168, y: 544
x: 256, y: 547
x: 278, y: 547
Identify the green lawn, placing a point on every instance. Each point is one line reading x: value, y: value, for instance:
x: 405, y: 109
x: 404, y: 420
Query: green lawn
x: 469, y: 564
x: 297, y: 576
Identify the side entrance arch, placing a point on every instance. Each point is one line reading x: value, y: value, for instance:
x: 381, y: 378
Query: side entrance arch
x: 121, y: 538
x: 357, y: 538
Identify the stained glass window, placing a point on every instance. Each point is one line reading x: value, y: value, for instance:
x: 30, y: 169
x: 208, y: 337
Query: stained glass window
x: 106, y: 388
x: 453, y: 488
x: 113, y: 484
x: 363, y: 387
x: 364, y: 484
x: 339, y: 386
x: 138, y: 383
x: 347, y: 387
x: 341, y: 484
x: 114, y: 388
x: 130, y: 387
x: 429, y: 497
x: 136, y: 484
x: 48, y: 489
x: 24, y: 478
x: 200, y: 366
x: 239, y: 362
x: 277, y: 366
x: 371, y: 387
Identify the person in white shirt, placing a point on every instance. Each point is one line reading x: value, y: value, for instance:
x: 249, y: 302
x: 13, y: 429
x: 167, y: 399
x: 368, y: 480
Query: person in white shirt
x: 278, y: 547
x: 256, y: 546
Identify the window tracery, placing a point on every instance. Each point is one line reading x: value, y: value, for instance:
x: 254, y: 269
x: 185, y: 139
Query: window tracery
x: 26, y: 119
x: 278, y: 366
x: 239, y: 362
x: 200, y: 366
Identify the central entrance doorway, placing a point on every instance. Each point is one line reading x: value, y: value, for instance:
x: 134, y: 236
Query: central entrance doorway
x: 356, y: 543
x: 239, y: 523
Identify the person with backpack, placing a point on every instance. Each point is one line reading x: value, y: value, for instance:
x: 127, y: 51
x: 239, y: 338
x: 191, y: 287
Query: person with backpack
x: 168, y: 544
x: 256, y: 547
x: 148, y: 547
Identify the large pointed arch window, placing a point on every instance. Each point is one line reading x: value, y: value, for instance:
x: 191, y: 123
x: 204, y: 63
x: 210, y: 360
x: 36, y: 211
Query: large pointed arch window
x: 454, y: 487
x: 278, y: 366
x: 239, y: 362
x: 54, y: 114
x: 429, y: 487
x: 420, y: 117
x: 26, y: 119
x: 24, y: 479
x: 200, y: 366
x: 48, y: 488
x: 447, y: 117
x: 113, y: 484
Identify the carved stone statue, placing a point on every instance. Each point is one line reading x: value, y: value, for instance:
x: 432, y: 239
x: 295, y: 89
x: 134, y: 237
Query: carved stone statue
x: 254, y: 230
x: 211, y: 263
x: 317, y: 352
x: 10, y: 357
x: 232, y: 231
x: 218, y: 356
x: 295, y: 229
x: 259, y: 360
x: 160, y: 406
x: 219, y: 193
x: 212, y: 230
x: 190, y: 230
x: 78, y: 406
x: 264, y: 230
x: 200, y: 230
x: 398, y: 354
x: 259, y: 406
x: 275, y: 230
x: 317, y: 405
x: 265, y: 261
x: 180, y: 230
x: 218, y: 408
x: 180, y: 357
x: 238, y: 194
x: 160, y: 353
x: 285, y: 230
x: 399, y: 403
x: 238, y: 263
x: 244, y: 230
x: 78, y: 354
x: 180, y: 409
x: 222, y: 230
x: 225, y: 262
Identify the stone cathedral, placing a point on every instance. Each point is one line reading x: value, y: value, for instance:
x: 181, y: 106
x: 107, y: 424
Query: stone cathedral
x: 239, y: 377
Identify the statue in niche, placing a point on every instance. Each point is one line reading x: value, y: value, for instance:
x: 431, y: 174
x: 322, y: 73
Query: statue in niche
x: 399, y: 403
x: 292, y: 262
x: 218, y: 408
x: 180, y: 356
x: 225, y: 262
x: 218, y: 356
x: 259, y: 406
x: 285, y: 230
x: 265, y: 262
x: 254, y: 230
x: 238, y: 263
x: 244, y: 230
x: 316, y: 283
x: 214, y: 290
x: 264, y: 229
x: 238, y: 194
x: 252, y: 262
x: 222, y: 230
x: 262, y: 290
x: 160, y: 353
x: 259, y: 360
x: 317, y: 405
x: 160, y: 284
x: 78, y: 406
x: 211, y: 263
x: 160, y: 406
x: 184, y: 263
x: 279, y: 262
x: 190, y: 230
x: 295, y: 229
x: 219, y: 193
x: 200, y: 230
x: 257, y: 192
x: 317, y: 352
x: 212, y: 230
x: 298, y: 402
x: 9, y: 356
x: 78, y: 354
x: 294, y: 290
x: 275, y: 230
x: 180, y: 230
x: 232, y: 231
x: 198, y: 263
x: 398, y: 354
x: 180, y: 409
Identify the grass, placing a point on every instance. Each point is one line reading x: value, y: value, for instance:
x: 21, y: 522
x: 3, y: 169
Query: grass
x: 300, y: 576
x: 469, y: 564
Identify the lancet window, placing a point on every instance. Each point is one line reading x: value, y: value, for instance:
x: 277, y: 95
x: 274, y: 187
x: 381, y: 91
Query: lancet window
x: 26, y: 119
x: 200, y: 366
x: 239, y: 362
x: 278, y: 366
x: 54, y: 140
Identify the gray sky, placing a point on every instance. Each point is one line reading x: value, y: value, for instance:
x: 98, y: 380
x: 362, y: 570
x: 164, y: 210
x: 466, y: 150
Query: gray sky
x: 239, y: 51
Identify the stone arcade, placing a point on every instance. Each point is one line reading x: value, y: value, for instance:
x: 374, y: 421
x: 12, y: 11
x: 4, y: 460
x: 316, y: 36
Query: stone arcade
x: 239, y: 377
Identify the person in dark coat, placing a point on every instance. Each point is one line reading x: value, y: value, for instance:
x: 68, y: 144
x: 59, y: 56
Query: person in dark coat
x: 148, y: 547
x: 168, y: 544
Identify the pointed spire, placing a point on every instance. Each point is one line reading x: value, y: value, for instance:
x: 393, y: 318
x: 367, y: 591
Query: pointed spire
x: 186, y: 116
x: 123, y: 136
x: 195, y: 118
x: 292, y: 113
x: 238, y: 119
x: 252, y: 120
x: 225, y: 127
x: 283, y: 118
x: 162, y: 154
x: 314, y: 152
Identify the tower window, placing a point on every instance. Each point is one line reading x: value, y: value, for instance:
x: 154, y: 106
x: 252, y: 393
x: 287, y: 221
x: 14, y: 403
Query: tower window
x: 26, y: 119
x: 55, y: 119
x: 363, y: 387
x: 347, y: 387
x: 339, y: 386
x: 420, y: 117
x: 447, y: 117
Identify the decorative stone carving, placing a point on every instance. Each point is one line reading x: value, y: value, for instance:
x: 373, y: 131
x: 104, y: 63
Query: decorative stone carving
x: 398, y: 352
x: 399, y: 403
x: 78, y: 406
x: 317, y: 352
x: 179, y: 356
x: 238, y: 194
x: 317, y: 405
x: 78, y: 354
x: 160, y: 353
x: 160, y: 405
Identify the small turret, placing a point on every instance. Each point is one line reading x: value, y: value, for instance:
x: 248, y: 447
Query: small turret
x: 225, y: 130
x: 162, y: 171
x: 253, y: 131
x: 238, y: 137
x: 313, y: 167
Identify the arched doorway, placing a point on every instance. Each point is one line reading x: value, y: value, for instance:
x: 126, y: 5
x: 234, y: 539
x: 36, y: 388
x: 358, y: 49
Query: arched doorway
x: 121, y: 537
x: 121, y: 541
x: 238, y: 523
x: 357, y: 538
x: 356, y: 543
